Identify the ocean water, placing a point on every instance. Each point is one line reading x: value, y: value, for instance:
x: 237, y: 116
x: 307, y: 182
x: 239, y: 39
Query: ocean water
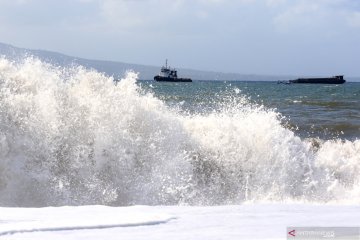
x: 70, y: 136
x: 311, y: 111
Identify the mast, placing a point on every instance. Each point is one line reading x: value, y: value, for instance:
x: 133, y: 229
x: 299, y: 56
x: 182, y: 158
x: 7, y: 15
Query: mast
x: 166, y: 64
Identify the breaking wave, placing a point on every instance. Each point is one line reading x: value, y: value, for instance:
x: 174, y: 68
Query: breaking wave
x: 70, y: 136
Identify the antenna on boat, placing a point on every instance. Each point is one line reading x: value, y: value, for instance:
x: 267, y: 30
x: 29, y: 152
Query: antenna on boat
x: 166, y: 63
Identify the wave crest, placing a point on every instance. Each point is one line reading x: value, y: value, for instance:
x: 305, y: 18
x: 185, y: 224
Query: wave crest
x: 72, y: 136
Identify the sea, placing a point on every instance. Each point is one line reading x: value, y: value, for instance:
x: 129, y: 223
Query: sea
x: 85, y: 156
x: 320, y: 111
x: 74, y: 136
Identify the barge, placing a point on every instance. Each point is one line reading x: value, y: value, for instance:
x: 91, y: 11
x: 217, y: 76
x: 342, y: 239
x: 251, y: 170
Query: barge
x: 328, y: 80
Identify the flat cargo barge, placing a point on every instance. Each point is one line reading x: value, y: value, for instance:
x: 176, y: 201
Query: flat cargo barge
x: 329, y: 80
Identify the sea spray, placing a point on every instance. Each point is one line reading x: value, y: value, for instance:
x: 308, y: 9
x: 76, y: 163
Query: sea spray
x: 70, y: 136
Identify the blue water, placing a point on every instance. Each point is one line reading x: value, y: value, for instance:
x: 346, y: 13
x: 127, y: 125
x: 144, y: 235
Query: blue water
x: 311, y: 111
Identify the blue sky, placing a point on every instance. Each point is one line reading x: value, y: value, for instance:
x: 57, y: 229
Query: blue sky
x: 297, y: 37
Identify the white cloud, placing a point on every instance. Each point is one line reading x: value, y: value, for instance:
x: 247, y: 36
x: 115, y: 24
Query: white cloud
x: 354, y: 19
x: 211, y: 1
x: 223, y: 1
x: 15, y: 2
x: 322, y: 15
x: 120, y: 13
x: 135, y: 13
x: 302, y: 13
x: 126, y: 14
x: 273, y: 3
x: 86, y: 1
x: 202, y: 14
x: 315, y: 14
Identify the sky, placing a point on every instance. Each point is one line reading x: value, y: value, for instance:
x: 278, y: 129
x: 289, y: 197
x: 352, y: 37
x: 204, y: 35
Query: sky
x: 271, y: 37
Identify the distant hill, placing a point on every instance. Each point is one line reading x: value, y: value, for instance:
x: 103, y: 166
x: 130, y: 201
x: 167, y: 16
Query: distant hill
x: 117, y: 69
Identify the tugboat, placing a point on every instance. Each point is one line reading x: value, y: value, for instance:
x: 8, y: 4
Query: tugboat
x: 169, y: 75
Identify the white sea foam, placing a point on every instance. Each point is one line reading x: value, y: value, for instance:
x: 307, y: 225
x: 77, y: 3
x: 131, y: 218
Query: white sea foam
x: 72, y: 136
x: 231, y: 222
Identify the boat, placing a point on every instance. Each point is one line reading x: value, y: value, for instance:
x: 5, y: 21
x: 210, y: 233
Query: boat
x: 169, y: 75
x: 326, y: 80
x: 283, y: 82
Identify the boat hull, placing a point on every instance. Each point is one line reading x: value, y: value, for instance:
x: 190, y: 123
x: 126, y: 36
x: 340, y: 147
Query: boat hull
x: 330, y: 80
x: 171, y: 79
